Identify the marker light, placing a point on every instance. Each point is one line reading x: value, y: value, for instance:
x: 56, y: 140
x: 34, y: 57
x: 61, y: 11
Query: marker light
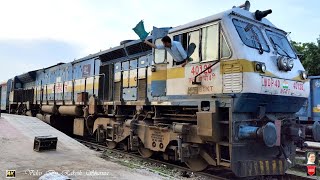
x: 261, y: 67
x: 303, y: 74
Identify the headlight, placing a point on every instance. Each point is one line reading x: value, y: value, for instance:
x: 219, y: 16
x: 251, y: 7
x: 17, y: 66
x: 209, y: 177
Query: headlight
x: 303, y: 75
x: 284, y: 63
x: 290, y: 64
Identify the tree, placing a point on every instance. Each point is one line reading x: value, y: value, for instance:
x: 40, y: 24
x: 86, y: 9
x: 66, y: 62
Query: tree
x: 309, y: 55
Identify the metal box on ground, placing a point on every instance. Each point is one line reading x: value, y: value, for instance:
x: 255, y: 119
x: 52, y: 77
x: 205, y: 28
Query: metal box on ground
x: 45, y: 143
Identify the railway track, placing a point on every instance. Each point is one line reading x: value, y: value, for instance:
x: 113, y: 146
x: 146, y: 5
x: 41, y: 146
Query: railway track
x: 222, y: 175
x: 310, y: 146
x: 100, y: 147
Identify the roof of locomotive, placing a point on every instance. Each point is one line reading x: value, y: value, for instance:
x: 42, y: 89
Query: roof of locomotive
x: 30, y: 75
x: 314, y: 77
x: 234, y: 11
x: 96, y: 55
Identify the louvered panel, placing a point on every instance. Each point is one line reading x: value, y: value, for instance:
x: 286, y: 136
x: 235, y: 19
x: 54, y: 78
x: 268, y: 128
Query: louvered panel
x: 232, y: 78
x: 117, y: 86
x: 237, y: 82
x: 142, y: 85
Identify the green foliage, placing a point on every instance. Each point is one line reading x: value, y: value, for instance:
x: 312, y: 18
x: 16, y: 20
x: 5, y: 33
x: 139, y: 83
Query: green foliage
x: 309, y: 55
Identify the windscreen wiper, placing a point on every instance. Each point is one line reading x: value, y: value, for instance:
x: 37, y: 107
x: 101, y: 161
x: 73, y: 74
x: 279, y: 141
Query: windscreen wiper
x: 258, y: 41
x: 277, y: 45
x: 249, y: 28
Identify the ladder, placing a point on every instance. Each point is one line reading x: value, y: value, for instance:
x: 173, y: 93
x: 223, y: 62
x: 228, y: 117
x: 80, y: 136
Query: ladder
x: 225, y: 124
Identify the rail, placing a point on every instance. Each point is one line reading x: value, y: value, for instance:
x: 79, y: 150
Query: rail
x: 224, y: 173
x: 99, y: 147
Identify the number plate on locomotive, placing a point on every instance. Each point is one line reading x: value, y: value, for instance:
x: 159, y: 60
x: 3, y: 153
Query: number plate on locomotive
x: 278, y: 86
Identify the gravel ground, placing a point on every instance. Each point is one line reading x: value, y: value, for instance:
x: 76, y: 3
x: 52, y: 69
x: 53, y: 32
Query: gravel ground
x: 166, y: 172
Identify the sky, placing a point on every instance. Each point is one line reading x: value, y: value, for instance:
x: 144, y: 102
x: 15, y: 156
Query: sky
x: 39, y: 33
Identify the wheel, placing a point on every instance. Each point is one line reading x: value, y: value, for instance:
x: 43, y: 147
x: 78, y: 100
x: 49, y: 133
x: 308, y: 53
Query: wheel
x: 111, y: 144
x: 144, y: 152
x: 89, y: 122
x: 197, y: 164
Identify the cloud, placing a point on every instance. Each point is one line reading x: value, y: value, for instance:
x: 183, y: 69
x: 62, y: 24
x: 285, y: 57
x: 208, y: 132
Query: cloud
x: 20, y: 56
x: 96, y: 25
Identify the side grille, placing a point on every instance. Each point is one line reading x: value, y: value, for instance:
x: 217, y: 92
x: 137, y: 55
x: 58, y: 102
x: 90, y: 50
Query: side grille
x: 142, y: 85
x: 117, y: 86
x: 232, y: 78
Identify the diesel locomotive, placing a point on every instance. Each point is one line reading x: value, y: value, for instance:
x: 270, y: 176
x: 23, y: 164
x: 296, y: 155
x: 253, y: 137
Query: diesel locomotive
x: 309, y: 114
x: 233, y: 106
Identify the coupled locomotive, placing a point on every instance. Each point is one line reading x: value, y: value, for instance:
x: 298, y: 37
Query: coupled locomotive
x: 309, y: 114
x: 232, y: 106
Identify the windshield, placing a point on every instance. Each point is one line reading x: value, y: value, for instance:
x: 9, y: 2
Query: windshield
x: 281, y: 44
x: 251, y: 35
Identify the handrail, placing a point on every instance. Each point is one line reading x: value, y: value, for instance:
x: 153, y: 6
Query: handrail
x: 195, y: 78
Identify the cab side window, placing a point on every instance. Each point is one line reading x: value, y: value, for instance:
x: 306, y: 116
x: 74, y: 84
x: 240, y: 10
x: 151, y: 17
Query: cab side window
x: 190, y: 42
x: 159, y: 54
x: 193, y: 46
x: 209, y: 43
x: 225, y: 51
x: 183, y: 39
x: 202, y: 44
